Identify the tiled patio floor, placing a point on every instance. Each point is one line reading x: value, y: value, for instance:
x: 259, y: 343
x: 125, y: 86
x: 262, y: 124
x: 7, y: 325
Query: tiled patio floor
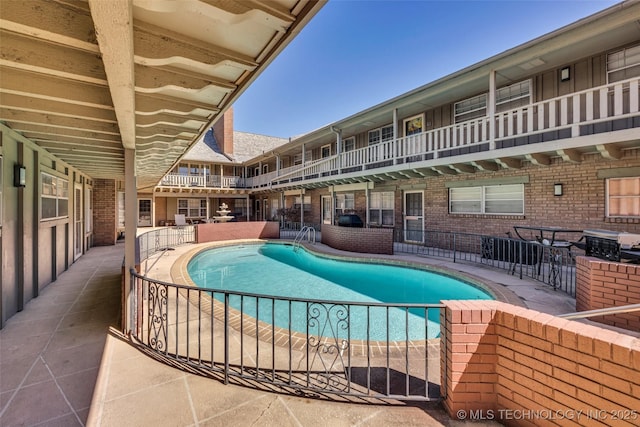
x: 64, y: 362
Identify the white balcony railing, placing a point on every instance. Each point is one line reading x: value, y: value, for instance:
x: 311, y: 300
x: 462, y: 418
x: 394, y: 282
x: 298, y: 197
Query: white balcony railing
x: 591, y: 106
x: 567, y: 113
x: 209, y: 181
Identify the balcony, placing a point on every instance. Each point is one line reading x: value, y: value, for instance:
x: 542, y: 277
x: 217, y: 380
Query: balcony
x: 565, y: 126
x: 173, y: 182
x: 600, y: 120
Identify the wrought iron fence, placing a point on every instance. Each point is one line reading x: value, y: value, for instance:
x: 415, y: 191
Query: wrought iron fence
x: 554, y: 266
x: 309, y: 347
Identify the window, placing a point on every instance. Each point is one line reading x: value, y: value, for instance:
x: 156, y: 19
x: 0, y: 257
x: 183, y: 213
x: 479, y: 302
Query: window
x: 265, y: 169
x: 88, y: 210
x: 381, y: 208
x: 470, y: 108
x: 344, y: 203
x: 382, y: 134
x: 623, y: 197
x: 297, y: 159
x: 514, y: 96
x: 623, y: 64
x: 413, y: 125
x: 307, y: 203
x: 240, y: 207
x: 349, y: 144
x: 489, y: 199
x: 192, y: 208
x: 325, y: 151
x: 507, y: 98
x: 54, y: 197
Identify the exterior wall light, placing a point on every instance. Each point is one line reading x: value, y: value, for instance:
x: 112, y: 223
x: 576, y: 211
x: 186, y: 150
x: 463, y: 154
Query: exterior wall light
x: 557, y: 189
x: 19, y: 176
x: 565, y: 74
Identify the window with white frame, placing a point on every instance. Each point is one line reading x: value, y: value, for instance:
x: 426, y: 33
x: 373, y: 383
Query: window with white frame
x: 382, y: 134
x: 513, y: 96
x: 345, y: 202
x: 307, y: 203
x: 381, y: 208
x: 325, y: 151
x: 470, y: 108
x: 507, y: 98
x: 192, y: 208
x: 54, y: 197
x: 623, y: 197
x: 240, y: 207
x: 297, y: 159
x: 88, y: 210
x: 348, y: 144
x: 623, y: 64
x: 489, y: 199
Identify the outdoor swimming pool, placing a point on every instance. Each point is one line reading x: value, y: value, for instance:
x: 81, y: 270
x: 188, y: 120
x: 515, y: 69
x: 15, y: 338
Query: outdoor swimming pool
x: 278, y: 270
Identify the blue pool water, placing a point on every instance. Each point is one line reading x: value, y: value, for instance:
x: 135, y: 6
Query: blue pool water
x: 276, y: 269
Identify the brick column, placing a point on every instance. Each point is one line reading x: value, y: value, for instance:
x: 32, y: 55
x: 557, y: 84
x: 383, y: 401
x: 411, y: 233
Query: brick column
x: 104, y: 212
x: 469, y: 356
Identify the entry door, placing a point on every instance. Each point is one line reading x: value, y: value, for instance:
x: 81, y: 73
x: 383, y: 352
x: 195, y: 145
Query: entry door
x: 326, y: 209
x: 144, y: 212
x: 413, y: 217
x: 78, y: 222
x: 265, y: 209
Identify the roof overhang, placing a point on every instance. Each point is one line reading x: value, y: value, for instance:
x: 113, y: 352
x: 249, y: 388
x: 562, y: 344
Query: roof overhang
x: 86, y: 80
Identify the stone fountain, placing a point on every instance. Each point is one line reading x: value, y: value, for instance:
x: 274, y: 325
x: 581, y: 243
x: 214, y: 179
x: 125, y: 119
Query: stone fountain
x: 223, y: 214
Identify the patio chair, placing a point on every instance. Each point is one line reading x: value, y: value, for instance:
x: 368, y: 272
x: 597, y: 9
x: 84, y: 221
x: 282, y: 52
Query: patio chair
x: 180, y: 220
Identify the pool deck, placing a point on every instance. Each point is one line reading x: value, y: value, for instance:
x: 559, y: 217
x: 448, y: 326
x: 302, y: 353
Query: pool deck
x: 64, y: 362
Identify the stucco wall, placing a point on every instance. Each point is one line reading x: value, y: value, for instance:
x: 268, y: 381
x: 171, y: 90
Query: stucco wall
x: 364, y: 240
x: 603, y: 284
x: 511, y: 364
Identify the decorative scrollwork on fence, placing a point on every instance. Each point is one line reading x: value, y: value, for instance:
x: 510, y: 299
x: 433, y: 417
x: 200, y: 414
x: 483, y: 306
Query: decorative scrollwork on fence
x: 157, y: 329
x: 328, y: 340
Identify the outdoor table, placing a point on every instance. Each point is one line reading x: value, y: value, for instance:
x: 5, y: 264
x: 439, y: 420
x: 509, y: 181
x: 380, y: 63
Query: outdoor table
x: 547, y: 236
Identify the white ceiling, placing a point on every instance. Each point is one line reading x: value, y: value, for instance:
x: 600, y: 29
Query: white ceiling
x: 87, y: 79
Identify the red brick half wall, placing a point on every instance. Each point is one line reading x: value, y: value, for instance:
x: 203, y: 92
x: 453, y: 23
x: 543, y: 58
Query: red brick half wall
x: 362, y: 240
x: 218, y: 232
x: 604, y: 284
x: 521, y: 367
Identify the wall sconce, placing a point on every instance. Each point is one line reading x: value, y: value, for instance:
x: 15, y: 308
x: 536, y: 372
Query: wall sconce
x: 565, y: 74
x: 557, y: 189
x: 19, y: 176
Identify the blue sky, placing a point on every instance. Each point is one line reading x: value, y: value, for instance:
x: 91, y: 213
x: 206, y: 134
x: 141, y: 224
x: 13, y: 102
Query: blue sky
x: 358, y: 53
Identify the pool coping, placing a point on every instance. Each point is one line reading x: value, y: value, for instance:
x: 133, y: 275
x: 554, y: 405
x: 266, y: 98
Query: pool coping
x: 299, y: 341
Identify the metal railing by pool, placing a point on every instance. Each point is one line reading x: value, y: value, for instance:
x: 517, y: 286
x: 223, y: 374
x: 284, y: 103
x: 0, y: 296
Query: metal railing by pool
x: 252, y: 338
x: 554, y: 266
x: 162, y: 239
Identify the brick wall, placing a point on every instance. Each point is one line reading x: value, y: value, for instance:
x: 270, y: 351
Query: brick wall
x: 582, y: 205
x: 367, y: 240
x: 603, y: 284
x: 237, y: 230
x: 105, y: 212
x: 511, y: 364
